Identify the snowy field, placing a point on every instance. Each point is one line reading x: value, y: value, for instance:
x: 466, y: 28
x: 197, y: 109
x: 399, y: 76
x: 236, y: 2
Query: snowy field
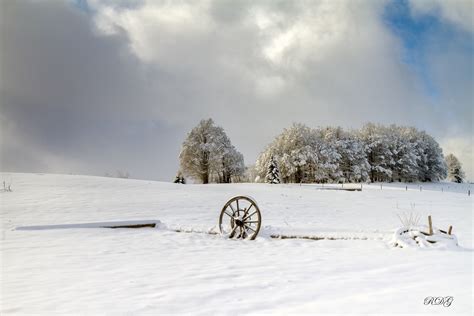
x: 83, y: 270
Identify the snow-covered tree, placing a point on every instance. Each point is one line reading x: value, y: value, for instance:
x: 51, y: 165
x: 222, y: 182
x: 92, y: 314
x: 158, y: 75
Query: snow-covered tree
x: 208, y: 154
x: 432, y: 166
x: 402, y: 154
x: 251, y: 174
x: 232, y: 164
x: 327, y: 141
x: 273, y: 173
x: 375, y: 152
x: 200, y: 149
x: 455, y: 172
x: 405, y: 152
x: 353, y: 163
x: 379, y: 154
x: 294, y: 152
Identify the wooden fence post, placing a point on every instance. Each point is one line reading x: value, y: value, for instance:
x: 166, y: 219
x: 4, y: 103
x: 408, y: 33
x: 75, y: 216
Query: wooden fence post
x: 430, y: 225
x: 450, y: 230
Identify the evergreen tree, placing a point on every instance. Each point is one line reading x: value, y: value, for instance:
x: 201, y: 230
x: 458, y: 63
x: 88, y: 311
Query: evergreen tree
x: 273, y: 174
x: 455, y: 172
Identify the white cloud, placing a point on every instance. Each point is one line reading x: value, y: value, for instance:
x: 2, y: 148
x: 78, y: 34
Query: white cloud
x: 154, y: 27
x: 458, y: 12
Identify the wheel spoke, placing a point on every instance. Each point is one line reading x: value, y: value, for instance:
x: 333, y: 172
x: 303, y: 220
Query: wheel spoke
x: 249, y: 215
x: 231, y: 207
x: 251, y: 222
x: 240, y: 232
x: 231, y: 216
x: 247, y: 210
x: 237, y: 201
x: 249, y: 233
x: 250, y: 228
x: 232, y: 232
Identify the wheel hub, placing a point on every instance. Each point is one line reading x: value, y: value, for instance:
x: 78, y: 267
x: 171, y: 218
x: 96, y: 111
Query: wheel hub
x: 239, y: 222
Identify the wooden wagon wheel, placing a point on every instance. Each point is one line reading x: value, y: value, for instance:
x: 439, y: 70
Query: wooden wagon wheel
x: 240, y: 218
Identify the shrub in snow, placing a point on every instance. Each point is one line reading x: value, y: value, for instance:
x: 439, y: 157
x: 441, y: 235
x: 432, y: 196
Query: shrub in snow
x: 7, y: 187
x: 409, y: 219
x: 455, y: 172
x: 417, y: 237
x: 179, y: 179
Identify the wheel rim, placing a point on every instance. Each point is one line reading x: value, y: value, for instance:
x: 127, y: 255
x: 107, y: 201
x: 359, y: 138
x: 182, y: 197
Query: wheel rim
x: 240, y: 218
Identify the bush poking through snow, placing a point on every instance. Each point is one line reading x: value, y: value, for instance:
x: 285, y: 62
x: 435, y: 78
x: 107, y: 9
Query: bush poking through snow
x: 7, y: 187
x: 409, y: 219
x: 417, y: 237
x: 179, y: 178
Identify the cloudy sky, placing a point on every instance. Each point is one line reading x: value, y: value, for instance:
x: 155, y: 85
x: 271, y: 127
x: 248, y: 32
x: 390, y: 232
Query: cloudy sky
x: 92, y: 86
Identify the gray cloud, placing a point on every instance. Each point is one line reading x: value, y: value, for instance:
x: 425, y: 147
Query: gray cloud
x: 118, y: 87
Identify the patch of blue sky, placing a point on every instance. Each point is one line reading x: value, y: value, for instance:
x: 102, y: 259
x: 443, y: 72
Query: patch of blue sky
x: 83, y: 5
x: 422, y: 35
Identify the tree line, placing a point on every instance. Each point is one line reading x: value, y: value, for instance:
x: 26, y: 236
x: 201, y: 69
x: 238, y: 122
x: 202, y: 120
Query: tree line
x: 301, y: 154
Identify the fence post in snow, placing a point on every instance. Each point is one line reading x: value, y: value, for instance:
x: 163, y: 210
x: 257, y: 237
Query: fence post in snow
x: 430, y: 225
x: 406, y: 188
x: 468, y: 192
x: 420, y: 188
x: 380, y: 186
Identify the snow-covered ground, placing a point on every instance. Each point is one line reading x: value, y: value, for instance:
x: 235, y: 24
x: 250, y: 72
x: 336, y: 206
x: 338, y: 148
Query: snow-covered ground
x: 82, y: 270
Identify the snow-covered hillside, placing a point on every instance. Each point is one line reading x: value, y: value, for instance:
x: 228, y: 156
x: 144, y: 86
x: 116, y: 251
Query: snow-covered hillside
x: 157, y: 270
